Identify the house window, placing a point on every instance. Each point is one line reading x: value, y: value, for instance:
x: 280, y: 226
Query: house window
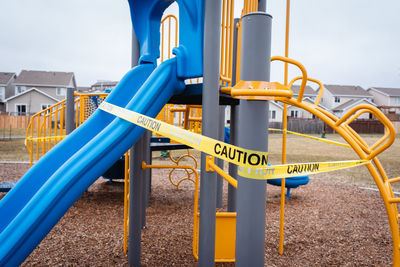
x: 273, y: 114
x: 19, y: 89
x: 294, y: 113
x: 60, y: 91
x: 2, y: 93
x: 337, y: 99
x: 396, y: 101
x: 20, y: 109
x: 44, y: 106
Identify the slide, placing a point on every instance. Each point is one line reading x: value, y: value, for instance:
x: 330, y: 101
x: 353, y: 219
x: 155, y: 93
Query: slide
x: 43, y: 195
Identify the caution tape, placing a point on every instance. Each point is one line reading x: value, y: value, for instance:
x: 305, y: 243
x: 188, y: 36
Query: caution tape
x: 239, y: 156
x: 251, y: 163
x: 297, y: 169
x: 45, y: 138
x: 312, y: 137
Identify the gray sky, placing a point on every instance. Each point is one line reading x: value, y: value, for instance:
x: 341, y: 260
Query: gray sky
x: 339, y: 41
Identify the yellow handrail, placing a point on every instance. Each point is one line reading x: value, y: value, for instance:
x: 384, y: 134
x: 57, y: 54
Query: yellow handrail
x: 321, y: 86
x: 47, y: 127
x: 211, y: 166
x: 302, y: 69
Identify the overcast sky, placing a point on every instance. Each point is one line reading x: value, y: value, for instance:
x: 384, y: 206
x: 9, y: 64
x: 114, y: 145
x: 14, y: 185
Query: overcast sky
x: 354, y: 42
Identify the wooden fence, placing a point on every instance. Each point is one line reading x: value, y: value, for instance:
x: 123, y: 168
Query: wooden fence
x: 363, y: 126
x: 14, y: 122
x: 316, y: 126
x: 305, y: 126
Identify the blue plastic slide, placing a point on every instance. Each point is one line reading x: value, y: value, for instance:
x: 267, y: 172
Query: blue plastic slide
x: 43, y: 195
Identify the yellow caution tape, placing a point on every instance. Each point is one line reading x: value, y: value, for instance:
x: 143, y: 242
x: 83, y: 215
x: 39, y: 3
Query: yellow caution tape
x: 312, y: 137
x: 297, y: 169
x: 239, y: 156
x: 45, y: 138
x: 251, y: 163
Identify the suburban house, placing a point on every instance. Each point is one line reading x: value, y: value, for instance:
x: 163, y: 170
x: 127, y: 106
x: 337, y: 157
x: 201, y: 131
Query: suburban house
x: 308, y: 92
x: 335, y: 95
x: 296, y: 112
x: 388, y: 100
x: 342, y: 109
x: 275, y: 111
x: 6, y: 88
x: 37, y: 90
x: 309, y: 96
x: 83, y: 89
x: 101, y: 86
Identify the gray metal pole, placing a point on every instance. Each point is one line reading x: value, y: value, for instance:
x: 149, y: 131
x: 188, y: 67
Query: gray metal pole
x: 232, y: 167
x: 147, y: 172
x: 253, y: 125
x: 135, y: 186
x: 70, y: 124
x: 262, y: 5
x: 210, y: 98
x: 233, y: 123
x: 220, y: 162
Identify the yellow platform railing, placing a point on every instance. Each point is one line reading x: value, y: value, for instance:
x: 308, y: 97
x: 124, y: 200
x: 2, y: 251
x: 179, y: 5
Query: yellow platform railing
x: 48, y: 127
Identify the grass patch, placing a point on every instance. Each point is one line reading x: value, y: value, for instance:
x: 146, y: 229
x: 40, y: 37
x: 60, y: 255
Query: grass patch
x: 9, y: 132
x: 13, y: 150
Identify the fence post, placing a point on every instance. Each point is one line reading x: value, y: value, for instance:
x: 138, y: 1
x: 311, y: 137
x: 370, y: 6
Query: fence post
x: 70, y: 124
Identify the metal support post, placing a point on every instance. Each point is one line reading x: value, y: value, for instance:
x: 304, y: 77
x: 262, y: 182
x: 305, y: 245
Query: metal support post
x: 70, y: 125
x: 233, y: 123
x: 232, y: 167
x: 135, y: 200
x: 210, y: 98
x: 220, y: 162
x: 262, y: 5
x: 147, y: 172
x: 253, y: 122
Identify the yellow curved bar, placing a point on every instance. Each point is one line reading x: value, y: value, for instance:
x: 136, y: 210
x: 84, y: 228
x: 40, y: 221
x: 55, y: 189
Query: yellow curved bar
x: 377, y: 172
x: 321, y: 86
x: 302, y: 69
x: 390, y: 133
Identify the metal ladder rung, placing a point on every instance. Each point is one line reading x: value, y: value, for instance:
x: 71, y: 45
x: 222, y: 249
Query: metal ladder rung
x: 394, y: 200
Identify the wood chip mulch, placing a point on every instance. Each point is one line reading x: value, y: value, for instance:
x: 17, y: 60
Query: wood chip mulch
x: 326, y: 224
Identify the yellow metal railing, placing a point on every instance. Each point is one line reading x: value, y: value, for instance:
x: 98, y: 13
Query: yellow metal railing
x: 171, y: 29
x: 227, y: 29
x: 48, y: 127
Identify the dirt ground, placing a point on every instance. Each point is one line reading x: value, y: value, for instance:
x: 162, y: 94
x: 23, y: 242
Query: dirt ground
x: 327, y: 223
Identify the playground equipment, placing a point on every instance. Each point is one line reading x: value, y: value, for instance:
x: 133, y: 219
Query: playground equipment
x: 52, y: 185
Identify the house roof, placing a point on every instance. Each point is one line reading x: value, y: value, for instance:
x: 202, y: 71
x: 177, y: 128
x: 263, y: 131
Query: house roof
x: 83, y: 88
x: 5, y: 77
x: 50, y: 78
x: 30, y: 90
x: 347, y: 90
x: 276, y: 104
x: 307, y: 91
x: 352, y: 102
x: 313, y: 101
x: 387, y: 91
x: 105, y: 83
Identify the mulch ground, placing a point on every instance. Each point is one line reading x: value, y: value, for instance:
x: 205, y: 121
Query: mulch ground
x: 326, y: 224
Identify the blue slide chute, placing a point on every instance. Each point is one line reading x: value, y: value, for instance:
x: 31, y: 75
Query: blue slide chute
x: 45, y: 193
